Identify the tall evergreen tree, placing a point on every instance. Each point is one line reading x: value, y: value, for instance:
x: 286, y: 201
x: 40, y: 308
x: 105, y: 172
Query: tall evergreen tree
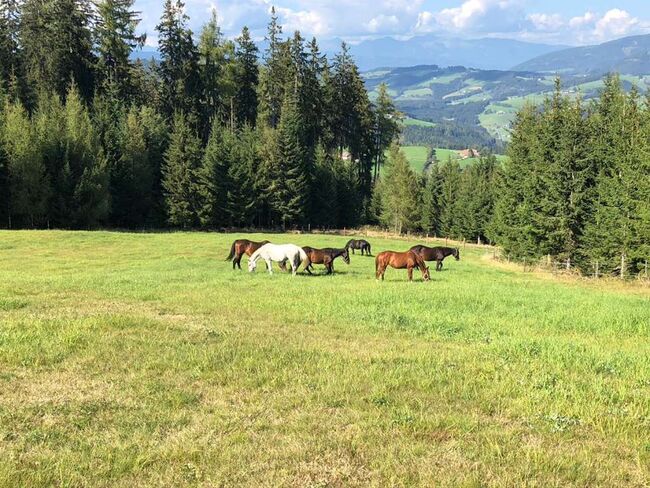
x: 26, y: 171
x: 57, y: 43
x: 181, y: 170
x: 115, y: 33
x: 179, y: 64
x: 215, y: 181
x: 399, y: 193
x: 386, y: 128
x: 450, y: 180
x: 274, y: 76
x: 289, y: 179
x: 132, y: 176
x: 247, y: 79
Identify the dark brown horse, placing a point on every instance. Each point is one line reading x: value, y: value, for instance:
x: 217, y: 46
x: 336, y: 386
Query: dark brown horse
x: 325, y: 256
x: 361, y: 244
x: 400, y: 260
x: 436, y: 254
x: 241, y: 247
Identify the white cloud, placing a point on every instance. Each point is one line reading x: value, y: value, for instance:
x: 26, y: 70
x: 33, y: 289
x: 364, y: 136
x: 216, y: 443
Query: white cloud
x: 615, y: 23
x: 589, y: 18
x: 546, y: 22
x: 309, y: 21
x: 382, y: 23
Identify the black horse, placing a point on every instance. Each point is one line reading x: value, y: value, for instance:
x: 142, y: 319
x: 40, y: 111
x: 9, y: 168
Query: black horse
x: 436, y: 254
x: 361, y: 244
x: 325, y: 256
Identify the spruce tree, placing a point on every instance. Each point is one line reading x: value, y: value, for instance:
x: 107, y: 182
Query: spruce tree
x: 132, y: 176
x: 399, y: 193
x: 243, y: 199
x: 430, y: 215
x: 29, y: 189
x: 214, y: 178
x: 247, y: 79
x: 450, y: 180
x: 58, y: 47
x: 289, y: 179
x: 179, y: 63
x: 116, y: 39
x: 181, y: 175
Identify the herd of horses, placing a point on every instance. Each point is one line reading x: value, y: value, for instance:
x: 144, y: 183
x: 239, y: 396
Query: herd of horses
x: 295, y: 256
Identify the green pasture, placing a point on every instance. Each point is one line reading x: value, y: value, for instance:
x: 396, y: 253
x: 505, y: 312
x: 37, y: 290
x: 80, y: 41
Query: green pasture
x: 145, y: 360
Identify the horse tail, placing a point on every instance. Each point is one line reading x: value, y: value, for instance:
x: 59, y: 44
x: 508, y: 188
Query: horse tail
x: 301, y: 258
x: 369, y: 251
x: 232, y: 251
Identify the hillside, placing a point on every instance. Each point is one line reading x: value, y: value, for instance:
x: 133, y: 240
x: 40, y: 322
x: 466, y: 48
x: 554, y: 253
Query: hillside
x: 457, y: 106
x: 630, y: 55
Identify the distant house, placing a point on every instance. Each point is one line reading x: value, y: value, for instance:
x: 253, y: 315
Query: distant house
x: 346, y: 156
x: 469, y: 153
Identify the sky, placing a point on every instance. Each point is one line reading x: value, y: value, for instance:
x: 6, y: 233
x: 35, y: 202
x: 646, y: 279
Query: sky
x: 567, y: 22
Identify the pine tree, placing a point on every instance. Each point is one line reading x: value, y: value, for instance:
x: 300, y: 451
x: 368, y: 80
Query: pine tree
x: 12, y: 65
x: 387, y: 128
x: 116, y: 39
x: 399, y: 193
x: 218, y: 73
x: 214, y: 178
x: 289, y: 183
x: 247, y: 79
x: 430, y: 216
x: 243, y: 199
x: 181, y: 184
x: 274, y: 75
x: 156, y: 135
x: 57, y: 43
x: 132, y: 176
x: 85, y: 173
x: 325, y: 201
x: 179, y: 64
x: 29, y: 189
x: 450, y: 179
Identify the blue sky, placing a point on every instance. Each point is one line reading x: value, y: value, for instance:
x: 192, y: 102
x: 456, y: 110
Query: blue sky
x: 550, y: 21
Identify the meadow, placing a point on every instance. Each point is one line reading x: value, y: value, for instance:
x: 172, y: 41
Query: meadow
x: 144, y: 360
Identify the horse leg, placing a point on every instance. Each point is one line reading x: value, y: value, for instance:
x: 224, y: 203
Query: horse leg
x: 235, y: 262
x: 269, y: 266
x: 307, y: 268
x: 409, y: 271
x: 439, y: 266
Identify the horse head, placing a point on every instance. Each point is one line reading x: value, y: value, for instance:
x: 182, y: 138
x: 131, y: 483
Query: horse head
x: 346, y: 256
x: 457, y: 254
x: 252, y: 264
x: 425, y: 274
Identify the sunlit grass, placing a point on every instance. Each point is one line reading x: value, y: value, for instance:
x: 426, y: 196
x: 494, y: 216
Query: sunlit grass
x: 144, y: 360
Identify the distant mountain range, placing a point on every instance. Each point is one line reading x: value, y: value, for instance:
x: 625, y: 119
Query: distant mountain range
x: 487, y: 53
x: 630, y: 56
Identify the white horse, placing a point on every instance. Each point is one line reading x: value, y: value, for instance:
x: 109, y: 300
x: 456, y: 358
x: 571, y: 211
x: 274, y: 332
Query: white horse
x: 280, y: 253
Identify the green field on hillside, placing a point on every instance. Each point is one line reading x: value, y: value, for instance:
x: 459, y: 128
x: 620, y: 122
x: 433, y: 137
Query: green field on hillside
x: 145, y: 360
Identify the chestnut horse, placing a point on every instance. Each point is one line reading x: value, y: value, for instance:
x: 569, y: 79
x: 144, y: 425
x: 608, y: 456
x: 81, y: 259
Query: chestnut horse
x: 325, y: 256
x: 400, y: 260
x: 241, y: 247
x: 436, y: 254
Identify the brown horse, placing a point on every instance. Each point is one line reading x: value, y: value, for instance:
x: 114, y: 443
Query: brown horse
x: 436, y: 254
x: 400, y: 260
x: 325, y: 256
x: 241, y: 247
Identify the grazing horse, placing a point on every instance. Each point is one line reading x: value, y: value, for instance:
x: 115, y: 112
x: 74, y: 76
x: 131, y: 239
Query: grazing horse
x: 400, y: 260
x: 359, y: 244
x: 280, y: 253
x: 436, y: 254
x: 325, y: 256
x: 241, y: 247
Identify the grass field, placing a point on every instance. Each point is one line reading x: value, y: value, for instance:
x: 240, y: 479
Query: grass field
x: 144, y: 360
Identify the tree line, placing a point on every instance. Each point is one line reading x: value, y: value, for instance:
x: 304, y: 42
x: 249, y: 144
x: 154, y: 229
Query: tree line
x: 215, y: 134
x: 575, y: 187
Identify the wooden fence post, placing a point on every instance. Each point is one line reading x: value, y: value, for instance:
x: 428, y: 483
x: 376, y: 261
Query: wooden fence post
x: 623, y: 266
x: 568, y: 263
x: 597, y: 269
